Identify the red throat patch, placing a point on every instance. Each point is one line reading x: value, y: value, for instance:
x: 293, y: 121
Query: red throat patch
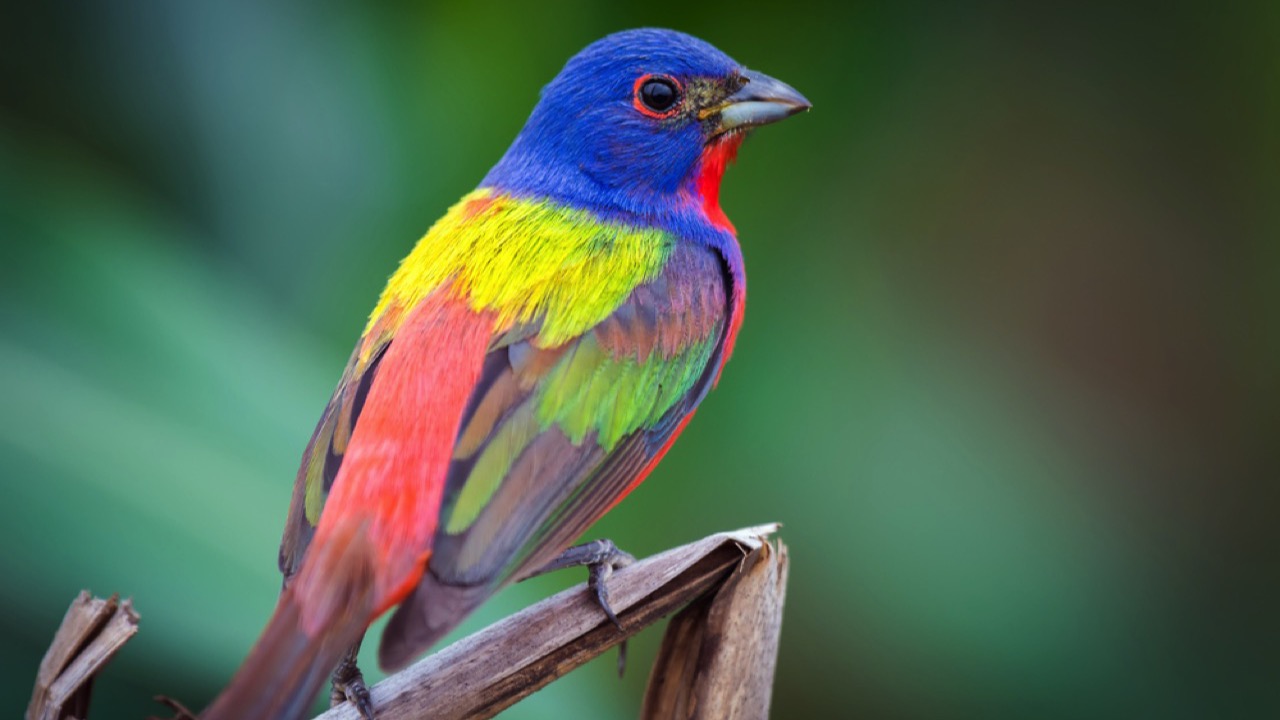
x: 715, y: 158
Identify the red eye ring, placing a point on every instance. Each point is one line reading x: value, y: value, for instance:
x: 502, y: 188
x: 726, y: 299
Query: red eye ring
x: 638, y: 100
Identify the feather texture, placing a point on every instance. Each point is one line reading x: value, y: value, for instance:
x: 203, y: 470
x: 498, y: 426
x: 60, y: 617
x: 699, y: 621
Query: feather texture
x: 557, y: 435
x: 532, y: 386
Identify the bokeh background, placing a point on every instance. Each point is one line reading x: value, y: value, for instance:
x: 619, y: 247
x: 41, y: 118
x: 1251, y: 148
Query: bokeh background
x: 1009, y: 372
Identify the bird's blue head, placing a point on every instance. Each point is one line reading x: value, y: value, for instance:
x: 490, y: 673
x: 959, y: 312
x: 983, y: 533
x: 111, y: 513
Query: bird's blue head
x: 641, y: 124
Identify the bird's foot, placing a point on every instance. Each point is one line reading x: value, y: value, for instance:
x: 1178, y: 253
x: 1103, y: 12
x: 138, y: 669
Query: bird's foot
x: 180, y: 711
x: 348, y: 686
x: 601, y: 558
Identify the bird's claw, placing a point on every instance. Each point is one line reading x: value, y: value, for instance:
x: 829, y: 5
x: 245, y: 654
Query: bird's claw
x: 356, y: 693
x: 597, y: 580
x: 180, y: 711
x: 348, y: 686
x: 601, y: 557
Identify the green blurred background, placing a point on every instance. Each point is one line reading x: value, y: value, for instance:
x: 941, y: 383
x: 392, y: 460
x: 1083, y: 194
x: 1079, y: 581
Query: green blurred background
x: 1009, y: 372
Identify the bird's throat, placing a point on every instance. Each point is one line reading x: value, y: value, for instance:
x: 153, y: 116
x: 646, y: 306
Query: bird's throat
x: 715, y: 158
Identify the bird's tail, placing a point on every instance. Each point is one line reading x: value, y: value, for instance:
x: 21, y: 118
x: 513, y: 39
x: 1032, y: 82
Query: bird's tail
x: 321, y: 614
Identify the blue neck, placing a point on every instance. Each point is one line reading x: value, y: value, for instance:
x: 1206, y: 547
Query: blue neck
x: 678, y: 211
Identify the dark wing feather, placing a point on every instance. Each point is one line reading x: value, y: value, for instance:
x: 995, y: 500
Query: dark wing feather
x: 325, y: 450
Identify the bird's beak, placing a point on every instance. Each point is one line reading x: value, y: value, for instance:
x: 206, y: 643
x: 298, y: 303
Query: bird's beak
x: 762, y: 100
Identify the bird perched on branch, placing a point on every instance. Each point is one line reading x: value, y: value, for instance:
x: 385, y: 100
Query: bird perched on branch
x: 527, y: 365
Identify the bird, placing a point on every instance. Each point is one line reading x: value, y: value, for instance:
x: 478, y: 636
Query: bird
x: 528, y: 364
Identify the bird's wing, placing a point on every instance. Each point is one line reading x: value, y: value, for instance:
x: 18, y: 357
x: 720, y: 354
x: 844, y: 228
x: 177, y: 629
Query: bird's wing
x: 328, y: 445
x: 381, y: 450
x: 554, y: 436
x: 517, y: 269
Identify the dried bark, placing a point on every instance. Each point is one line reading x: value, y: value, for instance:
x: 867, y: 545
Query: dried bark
x: 719, y: 653
x: 91, y: 632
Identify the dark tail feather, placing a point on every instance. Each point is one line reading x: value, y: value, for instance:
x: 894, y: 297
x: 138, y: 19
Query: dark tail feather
x: 324, y: 611
x: 427, y: 615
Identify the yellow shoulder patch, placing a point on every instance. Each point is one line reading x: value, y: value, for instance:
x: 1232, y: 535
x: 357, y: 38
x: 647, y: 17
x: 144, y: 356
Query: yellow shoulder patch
x: 528, y: 261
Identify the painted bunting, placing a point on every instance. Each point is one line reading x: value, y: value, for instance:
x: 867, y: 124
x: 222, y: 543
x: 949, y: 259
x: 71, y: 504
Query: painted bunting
x: 526, y: 367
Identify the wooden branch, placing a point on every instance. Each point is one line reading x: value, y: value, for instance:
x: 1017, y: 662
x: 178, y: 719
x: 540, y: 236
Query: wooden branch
x: 719, y: 653
x: 717, y: 658
x: 483, y: 674
x: 91, y: 632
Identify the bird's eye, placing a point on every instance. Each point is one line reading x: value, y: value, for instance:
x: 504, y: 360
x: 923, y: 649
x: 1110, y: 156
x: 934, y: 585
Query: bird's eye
x: 657, y: 95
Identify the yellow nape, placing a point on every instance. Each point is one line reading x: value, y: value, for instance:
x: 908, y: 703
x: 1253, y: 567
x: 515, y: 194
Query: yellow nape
x: 528, y: 261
